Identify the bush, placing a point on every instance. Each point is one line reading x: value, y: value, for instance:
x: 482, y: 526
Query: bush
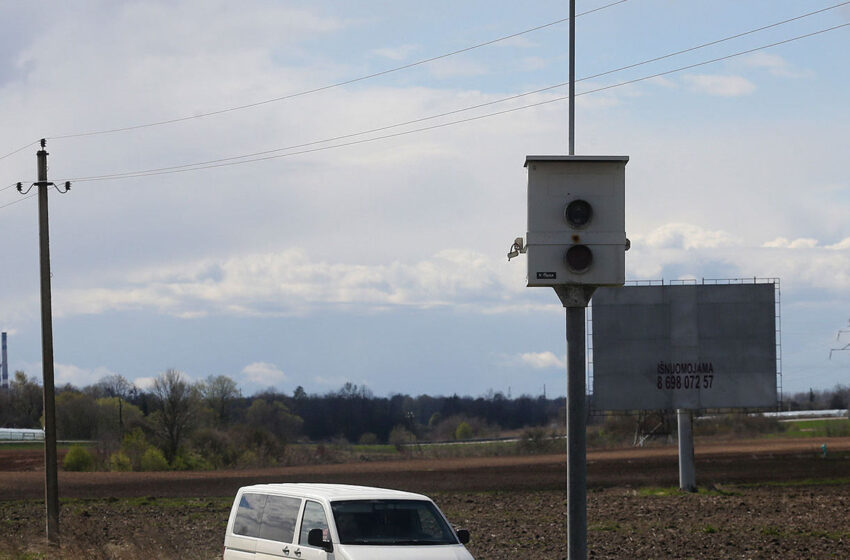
x: 190, y: 461
x: 463, y: 431
x: 78, y: 459
x: 215, y: 447
x: 368, y: 438
x: 537, y: 440
x: 400, y: 436
x: 119, y: 462
x: 153, y: 460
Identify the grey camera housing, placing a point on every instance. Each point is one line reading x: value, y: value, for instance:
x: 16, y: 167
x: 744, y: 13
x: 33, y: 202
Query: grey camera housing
x: 553, y: 183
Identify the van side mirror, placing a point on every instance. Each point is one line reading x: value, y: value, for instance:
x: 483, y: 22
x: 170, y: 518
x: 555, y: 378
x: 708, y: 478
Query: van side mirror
x: 463, y: 536
x: 316, y: 538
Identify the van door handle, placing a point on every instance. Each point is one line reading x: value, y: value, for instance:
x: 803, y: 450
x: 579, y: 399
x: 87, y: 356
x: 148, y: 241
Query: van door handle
x: 286, y: 550
x: 298, y: 552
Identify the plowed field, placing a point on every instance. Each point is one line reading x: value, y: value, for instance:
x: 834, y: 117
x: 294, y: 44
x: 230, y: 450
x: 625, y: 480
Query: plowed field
x: 764, y: 499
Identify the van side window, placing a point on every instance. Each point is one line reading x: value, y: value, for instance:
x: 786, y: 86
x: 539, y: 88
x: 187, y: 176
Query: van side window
x: 248, y: 515
x: 314, y: 518
x: 279, y: 516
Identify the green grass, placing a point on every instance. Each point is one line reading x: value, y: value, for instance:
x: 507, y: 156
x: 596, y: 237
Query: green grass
x: 659, y: 491
x: 835, y: 427
x: 21, y: 444
x: 605, y: 526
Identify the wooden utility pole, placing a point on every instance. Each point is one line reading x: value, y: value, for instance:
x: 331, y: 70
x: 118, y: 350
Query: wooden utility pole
x: 51, y: 483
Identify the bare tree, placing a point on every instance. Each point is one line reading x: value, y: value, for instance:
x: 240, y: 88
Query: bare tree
x: 219, y: 392
x: 176, y: 401
x: 117, y: 386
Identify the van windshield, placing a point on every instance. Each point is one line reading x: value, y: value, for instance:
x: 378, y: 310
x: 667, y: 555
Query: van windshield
x: 390, y: 523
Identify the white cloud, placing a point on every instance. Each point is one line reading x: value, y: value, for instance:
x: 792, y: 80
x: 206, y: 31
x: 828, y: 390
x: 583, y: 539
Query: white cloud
x: 264, y: 374
x: 800, y: 264
x: 842, y: 245
x: 723, y: 86
x: 542, y: 360
x: 144, y: 383
x: 290, y: 282
x: 685, y: 236
x: 783, y: 243
x: 78, y: 376
x: 400, y: 52
x: 774, y: 64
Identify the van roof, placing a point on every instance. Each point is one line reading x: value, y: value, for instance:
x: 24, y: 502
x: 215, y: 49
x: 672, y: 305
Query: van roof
x: 333, y: 492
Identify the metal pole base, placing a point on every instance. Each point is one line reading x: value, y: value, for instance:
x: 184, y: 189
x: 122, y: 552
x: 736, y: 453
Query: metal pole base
x: 687, y: 469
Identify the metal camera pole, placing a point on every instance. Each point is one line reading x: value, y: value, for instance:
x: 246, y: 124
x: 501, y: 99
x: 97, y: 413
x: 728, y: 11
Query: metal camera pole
x: 575, y: 300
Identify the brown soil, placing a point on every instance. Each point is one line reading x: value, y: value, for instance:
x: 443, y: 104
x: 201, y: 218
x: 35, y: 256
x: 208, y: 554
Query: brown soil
x: 514, y: 506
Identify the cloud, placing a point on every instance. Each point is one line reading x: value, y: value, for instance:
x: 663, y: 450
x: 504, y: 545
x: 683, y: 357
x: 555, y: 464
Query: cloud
x: 685, y: 236
x: 78, y: 376
x: 400, y: 52
x: 290, y: 282
x: 722, y: 86
x: 144, y: 383
x: 806, y: 243
x: 541, y: 360
x: 800, y: 264
x: 774, y: 64
x: 783, y: 243
x: 264, y: 374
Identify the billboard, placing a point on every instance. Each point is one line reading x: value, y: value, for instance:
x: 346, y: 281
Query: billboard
x: 684, y: 347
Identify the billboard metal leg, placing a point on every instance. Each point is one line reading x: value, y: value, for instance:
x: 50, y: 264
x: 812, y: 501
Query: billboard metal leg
x: 687, y: 470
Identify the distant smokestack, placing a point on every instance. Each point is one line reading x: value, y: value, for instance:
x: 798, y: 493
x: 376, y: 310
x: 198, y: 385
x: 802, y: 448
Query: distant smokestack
x: 4, y: 381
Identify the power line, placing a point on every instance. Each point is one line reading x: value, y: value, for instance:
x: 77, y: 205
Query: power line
x: 22, y: 148
x: 266, y: 155
x: 424, y: 61
x: 18, y: 200
x: 497, y: 101
x: 334, y: 85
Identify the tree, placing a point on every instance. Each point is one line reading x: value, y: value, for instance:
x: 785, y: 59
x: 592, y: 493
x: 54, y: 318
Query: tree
x: 25, y: 402
x: 176, y: 402
x: 118, y: 387
x: 76, y: 416
x: 220, y: 392
x: 275, y: 417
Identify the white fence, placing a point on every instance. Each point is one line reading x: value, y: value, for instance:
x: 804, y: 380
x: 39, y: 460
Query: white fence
x: 21, y: 434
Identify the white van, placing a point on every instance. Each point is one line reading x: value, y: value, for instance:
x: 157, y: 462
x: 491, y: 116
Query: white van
x: 338, y: 522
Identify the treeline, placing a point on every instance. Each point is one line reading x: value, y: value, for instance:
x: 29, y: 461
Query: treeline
x: 836, y: 398
x: 208, y: 424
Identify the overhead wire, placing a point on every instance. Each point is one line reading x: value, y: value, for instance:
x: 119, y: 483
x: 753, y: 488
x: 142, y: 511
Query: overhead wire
x: 497, y: 101
x: 334, y: 85
x: 22, y: 148
x: 265, y: 155
x: 18, y: 200
x: 431, y: 59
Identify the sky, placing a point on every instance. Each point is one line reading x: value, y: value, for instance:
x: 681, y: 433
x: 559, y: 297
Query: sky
x: 366, y: 240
